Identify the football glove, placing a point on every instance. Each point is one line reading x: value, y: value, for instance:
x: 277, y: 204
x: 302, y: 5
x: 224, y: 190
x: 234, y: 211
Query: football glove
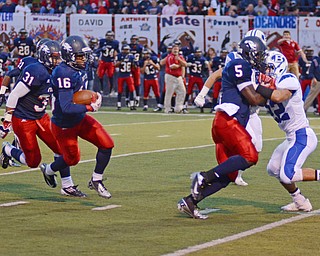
x: 97, y: 103
x: 267, y: 81
x: 199, y: 101
x: 3, y: 90
x: 5, y: 128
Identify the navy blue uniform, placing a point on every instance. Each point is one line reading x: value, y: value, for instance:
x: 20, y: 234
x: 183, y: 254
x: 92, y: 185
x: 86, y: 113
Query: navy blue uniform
x: 25, y: 46
x: 235, y: 76
x: 32, y: 106
x: 66, y: 81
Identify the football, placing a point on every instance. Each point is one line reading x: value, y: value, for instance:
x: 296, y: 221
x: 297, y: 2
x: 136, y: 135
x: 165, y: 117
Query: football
x: 84, y: 97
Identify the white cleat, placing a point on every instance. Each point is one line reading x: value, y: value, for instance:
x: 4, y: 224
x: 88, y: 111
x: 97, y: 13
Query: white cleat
x: 304, y: 206
x: 240, y: 182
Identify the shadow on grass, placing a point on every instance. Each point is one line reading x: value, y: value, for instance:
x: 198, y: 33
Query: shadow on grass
x: 29, y: 192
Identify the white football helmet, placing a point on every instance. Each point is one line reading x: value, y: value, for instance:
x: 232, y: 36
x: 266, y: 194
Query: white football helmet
x: 257, y: 33
x: 277, y: 64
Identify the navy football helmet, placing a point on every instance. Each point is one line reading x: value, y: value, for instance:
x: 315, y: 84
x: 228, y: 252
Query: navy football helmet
x: 41, y: 42
x: 1, y: 46
x: 75, y: 52
x: 253, y: 50
x: 109, y: 35
x: 125, y: 49
x: 23, y: 33
x: 134, y: 39
x: 49, y: 54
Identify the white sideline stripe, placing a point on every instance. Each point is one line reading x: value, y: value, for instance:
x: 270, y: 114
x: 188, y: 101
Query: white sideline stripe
x: 13, y: 203
x: 107, y: 207
x: 241, y: 235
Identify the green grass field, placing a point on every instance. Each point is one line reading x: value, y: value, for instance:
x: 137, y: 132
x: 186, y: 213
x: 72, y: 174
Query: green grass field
x: 153, y: 158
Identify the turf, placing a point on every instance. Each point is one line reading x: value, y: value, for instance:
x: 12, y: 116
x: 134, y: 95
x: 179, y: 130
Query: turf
x: 148, y: 173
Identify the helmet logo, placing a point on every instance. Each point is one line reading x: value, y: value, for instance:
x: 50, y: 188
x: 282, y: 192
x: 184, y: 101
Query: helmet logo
x: 251, y: 45
x: 67, y: 46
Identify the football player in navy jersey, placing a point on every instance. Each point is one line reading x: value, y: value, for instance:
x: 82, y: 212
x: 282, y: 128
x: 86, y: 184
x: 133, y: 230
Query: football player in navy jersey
x: 94, y: 63
x: 237, y: 152
x: 217, y: 62
x: 3, y: 59
x: 196, y: 63
x: 26, y: 112
x: 150, y: 68
x: 125, y: 61
x: 108, y: 50
x: 70, y: 121
x: 14, y: 73
x: 136, y: 51
x: 23, y: 44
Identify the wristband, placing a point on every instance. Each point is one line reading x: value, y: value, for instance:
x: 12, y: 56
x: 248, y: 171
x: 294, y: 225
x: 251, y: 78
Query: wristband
x: 264, y: 91
x: 3, y: 89
x: 204, y: 91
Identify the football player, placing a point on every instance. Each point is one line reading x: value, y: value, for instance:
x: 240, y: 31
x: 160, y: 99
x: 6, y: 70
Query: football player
x: 285, y: 105
x: 108, y: 50
x: 3, y: 59
x: 70, y: 121
x: 23, y: 45
x: 125, y: 61
x: 14, y: 73
x: 196, y: 63
x: 94, y: 63
x: 26, y: 113
x: 217, y: 62
x: 150, y: 68
x: 136, y: 51
x: 234, y: 147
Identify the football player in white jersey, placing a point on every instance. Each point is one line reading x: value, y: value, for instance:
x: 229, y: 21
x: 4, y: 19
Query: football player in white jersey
x: 285, y: 104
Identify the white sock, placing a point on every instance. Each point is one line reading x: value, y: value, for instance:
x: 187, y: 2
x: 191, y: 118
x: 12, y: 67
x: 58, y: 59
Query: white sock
x: 49, y: 170
x: 66, y: 182
x: 96, y: 176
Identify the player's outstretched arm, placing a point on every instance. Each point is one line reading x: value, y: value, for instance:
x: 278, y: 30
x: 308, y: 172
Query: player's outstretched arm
x: 200, y: 99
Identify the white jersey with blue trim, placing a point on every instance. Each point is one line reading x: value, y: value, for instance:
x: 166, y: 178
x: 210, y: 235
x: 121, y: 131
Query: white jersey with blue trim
x: 289, y: 114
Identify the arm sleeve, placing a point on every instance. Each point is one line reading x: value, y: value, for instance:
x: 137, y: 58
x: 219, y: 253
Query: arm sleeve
x: 18, y: 92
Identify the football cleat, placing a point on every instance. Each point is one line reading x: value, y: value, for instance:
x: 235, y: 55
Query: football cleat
x: 145, y: 108
x: 197, y: 184
x: 296, y: 206
x: 133, y: 108
x: 118, y: 108
x: 49, y: 179
x: 184, y: 111
x: 4, y: 158
x: 240, y: 182
x: 185, y: 205
x: 157, y: 109
x: 100, y: 188
x: 13, y: 163
x: 72, y: 191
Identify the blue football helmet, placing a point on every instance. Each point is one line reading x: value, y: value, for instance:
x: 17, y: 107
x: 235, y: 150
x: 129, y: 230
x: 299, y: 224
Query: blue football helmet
x: 49, y: 54
x: 76, y: 52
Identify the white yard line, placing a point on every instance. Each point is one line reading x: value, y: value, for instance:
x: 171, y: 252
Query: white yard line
x: 132, y: 154
x: 242, y: 234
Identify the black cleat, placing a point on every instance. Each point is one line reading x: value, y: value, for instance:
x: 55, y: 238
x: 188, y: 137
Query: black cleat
x: 72, y: 191
x: 185, y: 205
x: 4, y: 158
x: 49, y: 179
